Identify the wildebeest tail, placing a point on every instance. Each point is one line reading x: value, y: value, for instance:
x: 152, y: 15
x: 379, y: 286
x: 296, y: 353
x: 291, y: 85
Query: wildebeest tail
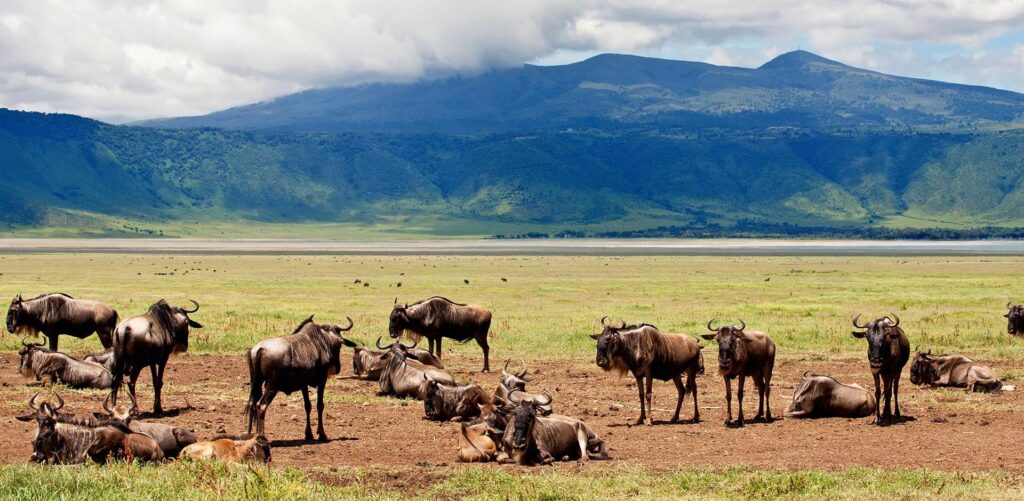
x: 255, y: 383
x: 119, y: 362
x: 700, y: 362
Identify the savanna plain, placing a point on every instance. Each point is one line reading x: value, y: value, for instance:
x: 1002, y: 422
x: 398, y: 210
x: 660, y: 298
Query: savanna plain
x: 956, y: 445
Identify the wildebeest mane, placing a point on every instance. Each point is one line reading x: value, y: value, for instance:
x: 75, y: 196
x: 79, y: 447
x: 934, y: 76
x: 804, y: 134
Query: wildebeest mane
x: 449, y: 301
x: 438, y: 313
x: 163, y: 314
x: 643, y: 345
x: 305, y: 324
x: 47, y: 295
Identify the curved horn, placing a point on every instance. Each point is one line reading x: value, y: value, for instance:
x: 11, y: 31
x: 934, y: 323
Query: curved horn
x: 521, y: 375
x: 32, y: 402
x: 623, y: 324
x: 546, y: 401
x: 604, y: 320
x: 1009, y: 304
x: 855, y: 324
x: 23, y: 343
x: 60, y: 402
x: 350, y: 324
x: 710, y: 328
x: 194, y: 309
x: 379, y: 347
x: 505, y: 369
x: 513, y: 398
x: 106, y: 404
x: 743, y: 325
x: 897, y: 319
x: 413, y: 345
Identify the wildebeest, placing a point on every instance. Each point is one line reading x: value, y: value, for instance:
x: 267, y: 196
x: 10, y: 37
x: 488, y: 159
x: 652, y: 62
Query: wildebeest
x: 437, y: 318
x: 442, y: 402
x: 367, y: 364
x: 532, y: 439
x: 650, y: 354
x: 170, y: 439
x: 743, y: 353
x: 956, y: 371
x: 823, y: 396
x: 36, y: 362
x: 510, y: 382
x: 58, y: 442
x: 403, y: 377
x: 888, y: 352
x: 142, y: 447
x: 1014, y: 319
x: 104, y: 358
x: 225, y: 449
x: 58, y: 313
x: 296, y: 362
x: 475, y: 443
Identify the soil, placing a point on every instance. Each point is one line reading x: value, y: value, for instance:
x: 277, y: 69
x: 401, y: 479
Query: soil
x: 949, y: 429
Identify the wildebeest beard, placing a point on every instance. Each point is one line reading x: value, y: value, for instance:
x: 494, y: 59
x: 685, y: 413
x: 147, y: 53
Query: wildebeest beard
x: 922, y: 371
x: 522, y: 431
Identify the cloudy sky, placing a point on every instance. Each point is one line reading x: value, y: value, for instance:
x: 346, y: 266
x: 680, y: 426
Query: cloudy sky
x: 133, y: 59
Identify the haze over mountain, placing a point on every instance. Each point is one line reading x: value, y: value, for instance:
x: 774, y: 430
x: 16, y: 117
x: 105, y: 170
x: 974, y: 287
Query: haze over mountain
x: 612, y: 143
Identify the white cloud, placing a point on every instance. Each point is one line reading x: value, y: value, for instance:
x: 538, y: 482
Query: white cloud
x: 131, y: 59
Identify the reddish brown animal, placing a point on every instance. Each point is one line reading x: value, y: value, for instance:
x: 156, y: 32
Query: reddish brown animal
x: 475, y: 443
x: 230, y: 450
x: 743, y: 353
x: 437, y: 318
x: 888, y: 352
x: 58, y: 313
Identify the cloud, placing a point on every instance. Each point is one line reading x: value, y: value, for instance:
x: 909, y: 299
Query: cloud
x: 130, y: 59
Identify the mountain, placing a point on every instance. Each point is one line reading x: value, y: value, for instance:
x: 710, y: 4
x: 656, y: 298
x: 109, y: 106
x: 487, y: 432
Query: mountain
x: 614, y: 145
x: 611, y: 91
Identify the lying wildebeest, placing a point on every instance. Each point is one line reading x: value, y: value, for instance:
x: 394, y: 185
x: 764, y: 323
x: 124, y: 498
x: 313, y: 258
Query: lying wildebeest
x: 956, y: 371
x: 36, y: 362
x: 58, y: 313
x: 743, y: 353
x: 888, y: 352
x: 442, y: 402
x: 57, y: 442
x: 437, y: 318
x: 475, y: 443
x: 404, y: 378
x: 225, y: 449
x: 531, y: 439
x: 823, y: 396
x: 104, y: 358
x: 510, y: 382
x: 646, y: 352
x: 148, y: 341
x: 367, y: 364
x: 142, y: 447
x: 170, y: 439
x: 296, y: 362
x: 1014, y: 319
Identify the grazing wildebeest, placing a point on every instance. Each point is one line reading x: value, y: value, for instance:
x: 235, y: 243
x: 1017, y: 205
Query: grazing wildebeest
x: 148, y: 340
x: 956, y: 371
x: 367, y: 364
x: 743, y: 353
x: 888, y: 352
x: 437, y: 318
x: 36, y: 362
x: 296, y: 362
x: 475, y: 443
x: 531, y: 439
x: 58, y: 442
x: 646, y: 352
x: 510, y: 382
x: 58, y: 313
x: 235, y: 451
x: 403, y: 377
x: 170, y: 439
x: 442, y: 402
x: 1014, y: 319
x: 823, y: 396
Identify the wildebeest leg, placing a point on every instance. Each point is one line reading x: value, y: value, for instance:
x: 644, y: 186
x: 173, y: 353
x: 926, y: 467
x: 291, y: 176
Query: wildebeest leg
x: 650, y: 410
x: 768, y: 397
x: 430, y: 346
x: 878, y: 398
x: 581, y: 437
x: 759, y: 383
x: 132, y: 378
x: 261, y: 415
x: 681, y: 391
x: 728, y: 401
x: 105, y: 333
x: 320, y: 433
x: 643, y: 400
x: 691, y: 384
x: 309, y: 407
x: 482, y: 341
x: 157, y: 371
x: 53, y: 341
x: 887, y: 413
x: 739, y: 400
x: 896, y: 394
x: 439, y: 347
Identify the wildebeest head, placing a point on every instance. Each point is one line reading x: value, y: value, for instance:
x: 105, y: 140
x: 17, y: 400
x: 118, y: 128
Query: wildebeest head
x: 513, y: 381
x: 526, y: 411
x: 25, y: 365
x: 921, y: 370
x: 122, y: 413
x: 1014, y: 319
x: 396, y: 348
x: 14, y: 314
x: 609, y: 342
x: 732, y: 350
x: 880, y: 333
x: 46, y: 444
x: 261, y: 450
x: 399, y: 320
x: 433, y: 401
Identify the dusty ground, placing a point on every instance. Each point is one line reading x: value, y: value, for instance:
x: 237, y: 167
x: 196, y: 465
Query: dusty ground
x: 207, y: 394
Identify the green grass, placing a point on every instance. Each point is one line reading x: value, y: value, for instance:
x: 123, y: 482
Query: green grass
x: 201, y: 481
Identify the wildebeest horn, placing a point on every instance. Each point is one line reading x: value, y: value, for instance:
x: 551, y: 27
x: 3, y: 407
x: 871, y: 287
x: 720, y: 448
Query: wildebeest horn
x: 522, y: 374
x: 60, y: 402
x: 710, y: 328
x: 513, y: 398
x: 32, y: 402
x: 396, y: 300
x: 192, y: 310
x: 1009, y: 304
x: 604, y: 320
x: 505, y: 369
x: 413, y: 345
x: 897, y: 319
x: 743, y: 325
x: 855, y: 324
x: 23, y: 343
x: 623, y: 324
x: 546, y: 401
x: 350, y: 324
x: 106, y: 403
x: 379, y: 347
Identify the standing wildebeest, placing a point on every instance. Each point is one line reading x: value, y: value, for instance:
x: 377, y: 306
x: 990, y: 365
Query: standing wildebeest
x: 296, y: 362
x: 443, y: 402
x: 532, y: 439
x: 823, y: 396
x: 437, y: 318
x: 888, y: 352
x: 368, y: 364
x: 60, y: 442
x: 1014, y: 319
x: 58, y: 313
x: 740, y: 354
x: 956, y: 371
x: 404, y: 377
x: 148, y: 341
x: 170, y: 439
x: 648, y: 353
x: 37, y: 362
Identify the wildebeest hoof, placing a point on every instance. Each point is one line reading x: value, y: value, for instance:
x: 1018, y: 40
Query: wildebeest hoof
x: 639, y: 421
x: 322, y: 438
x: 695, y: 420
x: 309, y: 437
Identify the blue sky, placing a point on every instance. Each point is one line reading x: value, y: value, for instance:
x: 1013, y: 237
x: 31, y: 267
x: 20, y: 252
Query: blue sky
x: 122, y: 60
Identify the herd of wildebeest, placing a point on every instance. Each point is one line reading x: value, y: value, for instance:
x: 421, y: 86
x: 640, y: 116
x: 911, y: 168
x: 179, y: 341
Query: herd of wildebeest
x: 508, y: 425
